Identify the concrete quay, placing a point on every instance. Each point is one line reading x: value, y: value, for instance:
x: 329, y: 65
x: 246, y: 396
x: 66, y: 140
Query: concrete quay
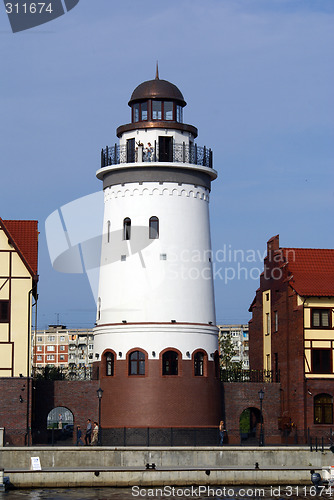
x: 177, y: 466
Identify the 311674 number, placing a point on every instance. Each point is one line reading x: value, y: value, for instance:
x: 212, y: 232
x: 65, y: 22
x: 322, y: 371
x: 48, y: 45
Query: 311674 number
x: 26, y: 8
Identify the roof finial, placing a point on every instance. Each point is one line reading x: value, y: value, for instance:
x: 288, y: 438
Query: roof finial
x: 157, y: 72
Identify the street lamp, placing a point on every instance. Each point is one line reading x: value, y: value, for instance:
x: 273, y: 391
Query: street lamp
x: 261, y: 396
x: 99, y: 395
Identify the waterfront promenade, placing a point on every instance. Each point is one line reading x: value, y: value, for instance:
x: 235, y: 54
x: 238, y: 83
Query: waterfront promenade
x: 126, y: 467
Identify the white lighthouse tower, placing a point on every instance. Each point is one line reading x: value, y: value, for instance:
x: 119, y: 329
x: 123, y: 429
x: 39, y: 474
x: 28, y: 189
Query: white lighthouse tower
x: 156, y: 342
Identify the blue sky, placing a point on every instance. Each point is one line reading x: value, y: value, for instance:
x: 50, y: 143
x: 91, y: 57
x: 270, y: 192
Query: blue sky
x: 257, y: 76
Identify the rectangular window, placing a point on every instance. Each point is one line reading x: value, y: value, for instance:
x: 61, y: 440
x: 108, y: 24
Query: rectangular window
x: 136, y: 112
x: 51, y: 338
x: 50, y: 357
x: 179, y: 114
x: 267, y: 324
x: 144, y: 110
x: 62, y: 348
x: 50, y: 348
x: 321, y: 360
x: 62, y: 338
x: 39, y: 358
x: 62, y: 357
x: 39, y: 339
x: 4, y: 311
x: 320, y: 318
x: 156, y: 110
x: 39, y: 348
x: 168, y: 110
x: 268, y: 364
x: 276, y: 320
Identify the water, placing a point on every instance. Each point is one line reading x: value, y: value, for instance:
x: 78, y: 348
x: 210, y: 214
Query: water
x: 177, y: 492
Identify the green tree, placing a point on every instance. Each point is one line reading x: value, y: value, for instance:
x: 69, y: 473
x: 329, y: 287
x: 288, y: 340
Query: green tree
x: 227, y: 352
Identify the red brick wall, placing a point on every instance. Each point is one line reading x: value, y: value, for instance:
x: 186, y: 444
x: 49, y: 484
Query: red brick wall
x: 79, y: 396
x: 154, y: 400
x: 239, y: 396
x: 13, y: 412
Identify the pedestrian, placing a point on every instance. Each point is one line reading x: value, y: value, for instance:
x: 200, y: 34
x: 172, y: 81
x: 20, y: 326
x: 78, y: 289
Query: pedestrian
x: 222, y: 432
x: 149, y: 151
x: 79, y: 434
x: 60, y: 421
x: 95, y: 438
x: 88, y: 435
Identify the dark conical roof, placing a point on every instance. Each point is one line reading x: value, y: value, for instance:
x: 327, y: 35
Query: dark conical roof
x: 157, y: 89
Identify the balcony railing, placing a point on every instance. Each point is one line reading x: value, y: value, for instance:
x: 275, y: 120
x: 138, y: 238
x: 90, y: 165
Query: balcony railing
x: 176, y: 153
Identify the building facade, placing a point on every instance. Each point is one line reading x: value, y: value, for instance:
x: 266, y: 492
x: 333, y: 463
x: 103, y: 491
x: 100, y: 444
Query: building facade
x: 291, y: 334
x: 60, y: 347
x: 156, y: 341
x: 238, y: 335
x: 18, y: 293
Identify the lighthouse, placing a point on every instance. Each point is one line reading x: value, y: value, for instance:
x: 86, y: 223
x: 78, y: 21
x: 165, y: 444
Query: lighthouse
x: 155, y: 339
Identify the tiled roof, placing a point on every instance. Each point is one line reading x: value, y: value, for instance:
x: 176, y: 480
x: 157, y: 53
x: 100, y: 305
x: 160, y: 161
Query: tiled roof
x: 312, y: 270
x: 24, y: 235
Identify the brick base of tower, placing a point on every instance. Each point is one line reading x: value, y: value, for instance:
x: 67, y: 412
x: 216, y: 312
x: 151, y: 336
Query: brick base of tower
x: 157, y: 401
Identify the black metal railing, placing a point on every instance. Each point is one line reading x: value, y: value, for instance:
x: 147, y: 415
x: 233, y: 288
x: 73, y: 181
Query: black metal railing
x: 177, y: 153
x: 250, y: 376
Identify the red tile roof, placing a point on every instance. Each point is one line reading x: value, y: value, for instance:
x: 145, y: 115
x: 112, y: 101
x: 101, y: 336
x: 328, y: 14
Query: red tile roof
x: 24, y: 236
x: 312, y: 270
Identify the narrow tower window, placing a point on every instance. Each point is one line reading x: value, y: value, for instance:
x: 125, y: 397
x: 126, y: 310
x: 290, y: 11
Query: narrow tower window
x: 108, y: 231
x: 154, y: 228
x: 137, y: 363
x: 170, y: 363
x: 109, y: 364
x: 199, y: 364
x: 127, y: 229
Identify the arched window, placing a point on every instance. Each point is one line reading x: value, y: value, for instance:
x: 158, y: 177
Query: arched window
x: 323, y: 409
x: 199, y: 364
x: 127, y: 229
x: 137, y: 363
x: 154, y: 228
x: 109, y: 357
x: 170, y: 363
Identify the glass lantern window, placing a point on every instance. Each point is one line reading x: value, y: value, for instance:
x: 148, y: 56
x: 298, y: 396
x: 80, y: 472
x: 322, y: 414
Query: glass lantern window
x: 156, y: 110
x: 179, y: 114
x: 135, y: 111
x: 144, y: 110
x: 168, y: 110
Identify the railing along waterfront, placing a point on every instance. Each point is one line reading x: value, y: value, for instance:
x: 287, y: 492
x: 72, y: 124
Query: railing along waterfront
x: 250, y: 376
x: 176, y: 153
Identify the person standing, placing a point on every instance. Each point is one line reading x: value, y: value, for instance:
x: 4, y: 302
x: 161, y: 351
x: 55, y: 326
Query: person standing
x: 222, y: 432
x: 95, y: 437
x: 88, y: 435
x: 79, y: 434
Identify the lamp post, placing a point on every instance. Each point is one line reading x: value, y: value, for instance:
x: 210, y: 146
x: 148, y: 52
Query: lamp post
x: 99, y: 395
x: 261, y: 440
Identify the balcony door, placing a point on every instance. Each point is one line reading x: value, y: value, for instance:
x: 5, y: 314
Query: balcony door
x: 165, y: 148
x: 130, y: 150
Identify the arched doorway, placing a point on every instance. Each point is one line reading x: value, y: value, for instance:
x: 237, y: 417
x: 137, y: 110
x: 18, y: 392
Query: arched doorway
x: 249, y: 423
x: 60, y: 425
